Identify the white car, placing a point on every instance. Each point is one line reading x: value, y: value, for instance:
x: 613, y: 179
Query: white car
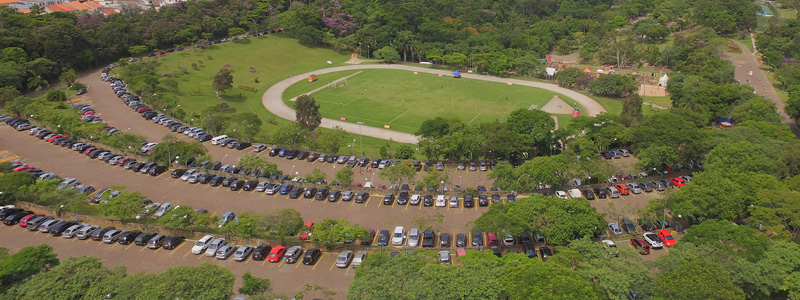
x: 413, y: 237
x: 441, y: 201
x: 360, y: 256
x: 561, y: 194
x: 163, y: 209
x: 614, y: 228
x: 575, y: 193
x: 653, y: 240
x: 398, y: 236
x: 202, y: 244
x: 188, y: 174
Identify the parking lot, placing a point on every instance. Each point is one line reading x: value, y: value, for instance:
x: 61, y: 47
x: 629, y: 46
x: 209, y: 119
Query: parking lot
x: 286, y: 279
x: 163, y: 188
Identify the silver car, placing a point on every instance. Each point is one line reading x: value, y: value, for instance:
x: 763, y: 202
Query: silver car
x: 84, y: 232
x: 344, y: 258
x: 413, y: 237
x: 292, y: 254
x: 72, y: 230
x: 359, y: 258
x: 45, y: 227
x: 272, y: 189
x: 444, y: 257
x: 225, y: 251
x: 242, y: 253
x: 163, y: 209
x: 262, y: 186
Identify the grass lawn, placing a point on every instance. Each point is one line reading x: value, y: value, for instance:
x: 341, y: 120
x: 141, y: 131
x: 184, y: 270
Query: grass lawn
x: 404, y: 100
x: 663, y: 101
x: 273, y: 57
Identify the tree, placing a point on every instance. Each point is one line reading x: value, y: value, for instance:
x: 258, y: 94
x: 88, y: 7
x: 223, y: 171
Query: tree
x: 756, y: 109
x: 252, y: 285
x: 331, y: 140
x: 208, y: 281
x: 521, y: 282
x: 387, y: 54
x: 777, y: 210
x: 15, y: 54
x: 344, y: 176
x: 181, y: 217
x: 698, y: 280
x: 282, y: 223
x: 12, y: 74
x: 137, y: 50
x: 171, y: 149
x: 561, y: 221
x: 56, y: 95
x: 10, y: 184
x: 27, y: 262
x: 8, y: 94
x: 68, y: 280
x: 613, y: 85
x: 433, y: 179
x: 399, y: 173
x: 404, y: 152
x: 223, y: 80
x: 331, y: 231
x: 308, y: 115
x: 235, y: 31
x: 68, y: 76
x: 632, y: 108
x: 316, y: 175
x: 125, y: 206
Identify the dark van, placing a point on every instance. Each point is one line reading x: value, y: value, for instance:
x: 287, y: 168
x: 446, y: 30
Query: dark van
x: 311, y: 256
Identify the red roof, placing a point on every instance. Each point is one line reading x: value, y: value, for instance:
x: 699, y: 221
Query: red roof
x: 109, y: 11
x: 2, y: 2
x: 94, y: 4
x: 78, y: 5
x: 60, y: 7
x: 24, y: 10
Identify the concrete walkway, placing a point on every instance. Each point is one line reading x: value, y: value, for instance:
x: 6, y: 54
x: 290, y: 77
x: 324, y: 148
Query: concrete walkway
x: 273, y: 99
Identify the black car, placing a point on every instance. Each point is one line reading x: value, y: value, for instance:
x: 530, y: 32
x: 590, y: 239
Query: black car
x: 143, y: 238
x: 216, y: 181
x: 311, y: 256
x: 588, y: 194
x: 526, y: 239
x: 228, y: 181
x: 15, y: 218
x: 362, y: 197
x: 428, y: 238
x: 545, y: 253
x: 274, y: 151
x: 261, y: 252
x: 529, y: 250
x: 8, y: 212
x: 461, y: 240
x: 483, y: 200
x: 310, y: 192
x: 61, y: 227
x: 128, y: 237
x: 295, y: 192
x: 600, y: 192
x: 477, y: 239
x: 469, y: 201
x: 98, y: 233
x: 427, y: 200
x: 236, y: 185
x: 334, y: 196
x: 250, y: 185
x: 402, y: 199
x: 444, y: 240
x: 321, y: 194
x: 205, y: 178
x: 388, y: 199
x: 156, y: 170
x: 173, y: 241
x: 383, y: 237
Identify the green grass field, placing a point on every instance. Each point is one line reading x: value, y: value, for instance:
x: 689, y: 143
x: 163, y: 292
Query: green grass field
x: 274, y: 57
x: 404, y: 100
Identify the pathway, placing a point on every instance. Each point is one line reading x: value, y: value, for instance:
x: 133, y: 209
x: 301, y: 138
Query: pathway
x: 273, y: 99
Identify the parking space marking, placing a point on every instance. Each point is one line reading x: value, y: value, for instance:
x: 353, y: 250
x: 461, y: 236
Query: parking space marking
x: 280, y: 264
x: 297, y: 265
x: 265, y: 261
x: 159, y: 249
x: 143, y: 247
x: 348, y: 268
x: 333, y: 265
x: 187, y: 254
x: 200, y: 256
x: 176, y: 249
x: 115, y: 244
x: 9, y: 158
x: 318, y: 261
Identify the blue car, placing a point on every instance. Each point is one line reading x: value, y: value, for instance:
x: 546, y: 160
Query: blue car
x: 285, y: 189
x: 282, y: 153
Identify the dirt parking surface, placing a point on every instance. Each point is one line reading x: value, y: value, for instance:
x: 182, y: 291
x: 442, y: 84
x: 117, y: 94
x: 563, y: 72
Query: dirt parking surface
x: 287, y: 279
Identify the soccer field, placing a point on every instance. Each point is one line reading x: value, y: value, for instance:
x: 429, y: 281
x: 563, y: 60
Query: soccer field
x: 403, y: 100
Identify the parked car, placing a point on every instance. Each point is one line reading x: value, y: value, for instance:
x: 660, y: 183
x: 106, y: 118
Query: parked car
x: 157, y: 241
x: 628, y: 226
x: 358, y: 258
x: 398, y: 236
x: 653, y: 240
x: 311, y: 256
x: 383, y: 237
x: 666, y: 237
x: 344, y: 259
x: 413, y: 237
x: 292, y: 254
x: 640, y: 245
x: 614, y: 228
x: 242, y: 253
x: 276, y: 254
x: 212, y: 248
x: 610, y: 247
x: 261, y: 252
x: 428, y: 238
x: 225, y: 252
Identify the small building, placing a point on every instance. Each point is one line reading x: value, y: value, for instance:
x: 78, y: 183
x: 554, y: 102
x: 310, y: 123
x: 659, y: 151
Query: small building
x: 663, y: 80
x: 312, y: 77
x: 457, y: 74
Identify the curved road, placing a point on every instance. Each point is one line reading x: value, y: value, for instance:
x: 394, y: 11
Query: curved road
x: 273, y: 99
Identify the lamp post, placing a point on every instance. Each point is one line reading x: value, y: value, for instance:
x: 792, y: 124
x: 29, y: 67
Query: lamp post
x: 173, y: 110
x: 361, y: 138
x: 223, y: 159
x: 60, y: 207
x: 516, y: 185
x: 292, y: 170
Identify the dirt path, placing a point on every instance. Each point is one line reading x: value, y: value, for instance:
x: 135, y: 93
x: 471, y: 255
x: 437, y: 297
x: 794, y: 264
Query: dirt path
x: 273, y: 99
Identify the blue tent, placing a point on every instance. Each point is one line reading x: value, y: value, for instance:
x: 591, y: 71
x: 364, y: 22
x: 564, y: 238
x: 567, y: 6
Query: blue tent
x: 457, y: 74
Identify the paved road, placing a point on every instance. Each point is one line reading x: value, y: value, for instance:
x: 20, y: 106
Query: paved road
x: 273, y: 98
x: 287, y: 279
x: 747, y: 62
x: 116, y: 113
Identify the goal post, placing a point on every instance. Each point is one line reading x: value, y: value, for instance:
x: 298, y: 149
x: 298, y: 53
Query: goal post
x: 338, y: 82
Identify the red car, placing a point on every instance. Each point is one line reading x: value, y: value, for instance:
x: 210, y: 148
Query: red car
x: 143, y: 109
x: 678, y: 182
x: 53, y: 138
x: 276, y: 253
x: 24, y: 221
x: 666, y: 237
x: 641, y: 245
x: 89, y: 150
x: 23, y: 168
x: 124, y: 160
x: 623, y: 189
x: 306, y: 233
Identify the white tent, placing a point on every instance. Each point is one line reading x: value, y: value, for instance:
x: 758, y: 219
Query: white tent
x: 550, y: 71
x: 663, y: 80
